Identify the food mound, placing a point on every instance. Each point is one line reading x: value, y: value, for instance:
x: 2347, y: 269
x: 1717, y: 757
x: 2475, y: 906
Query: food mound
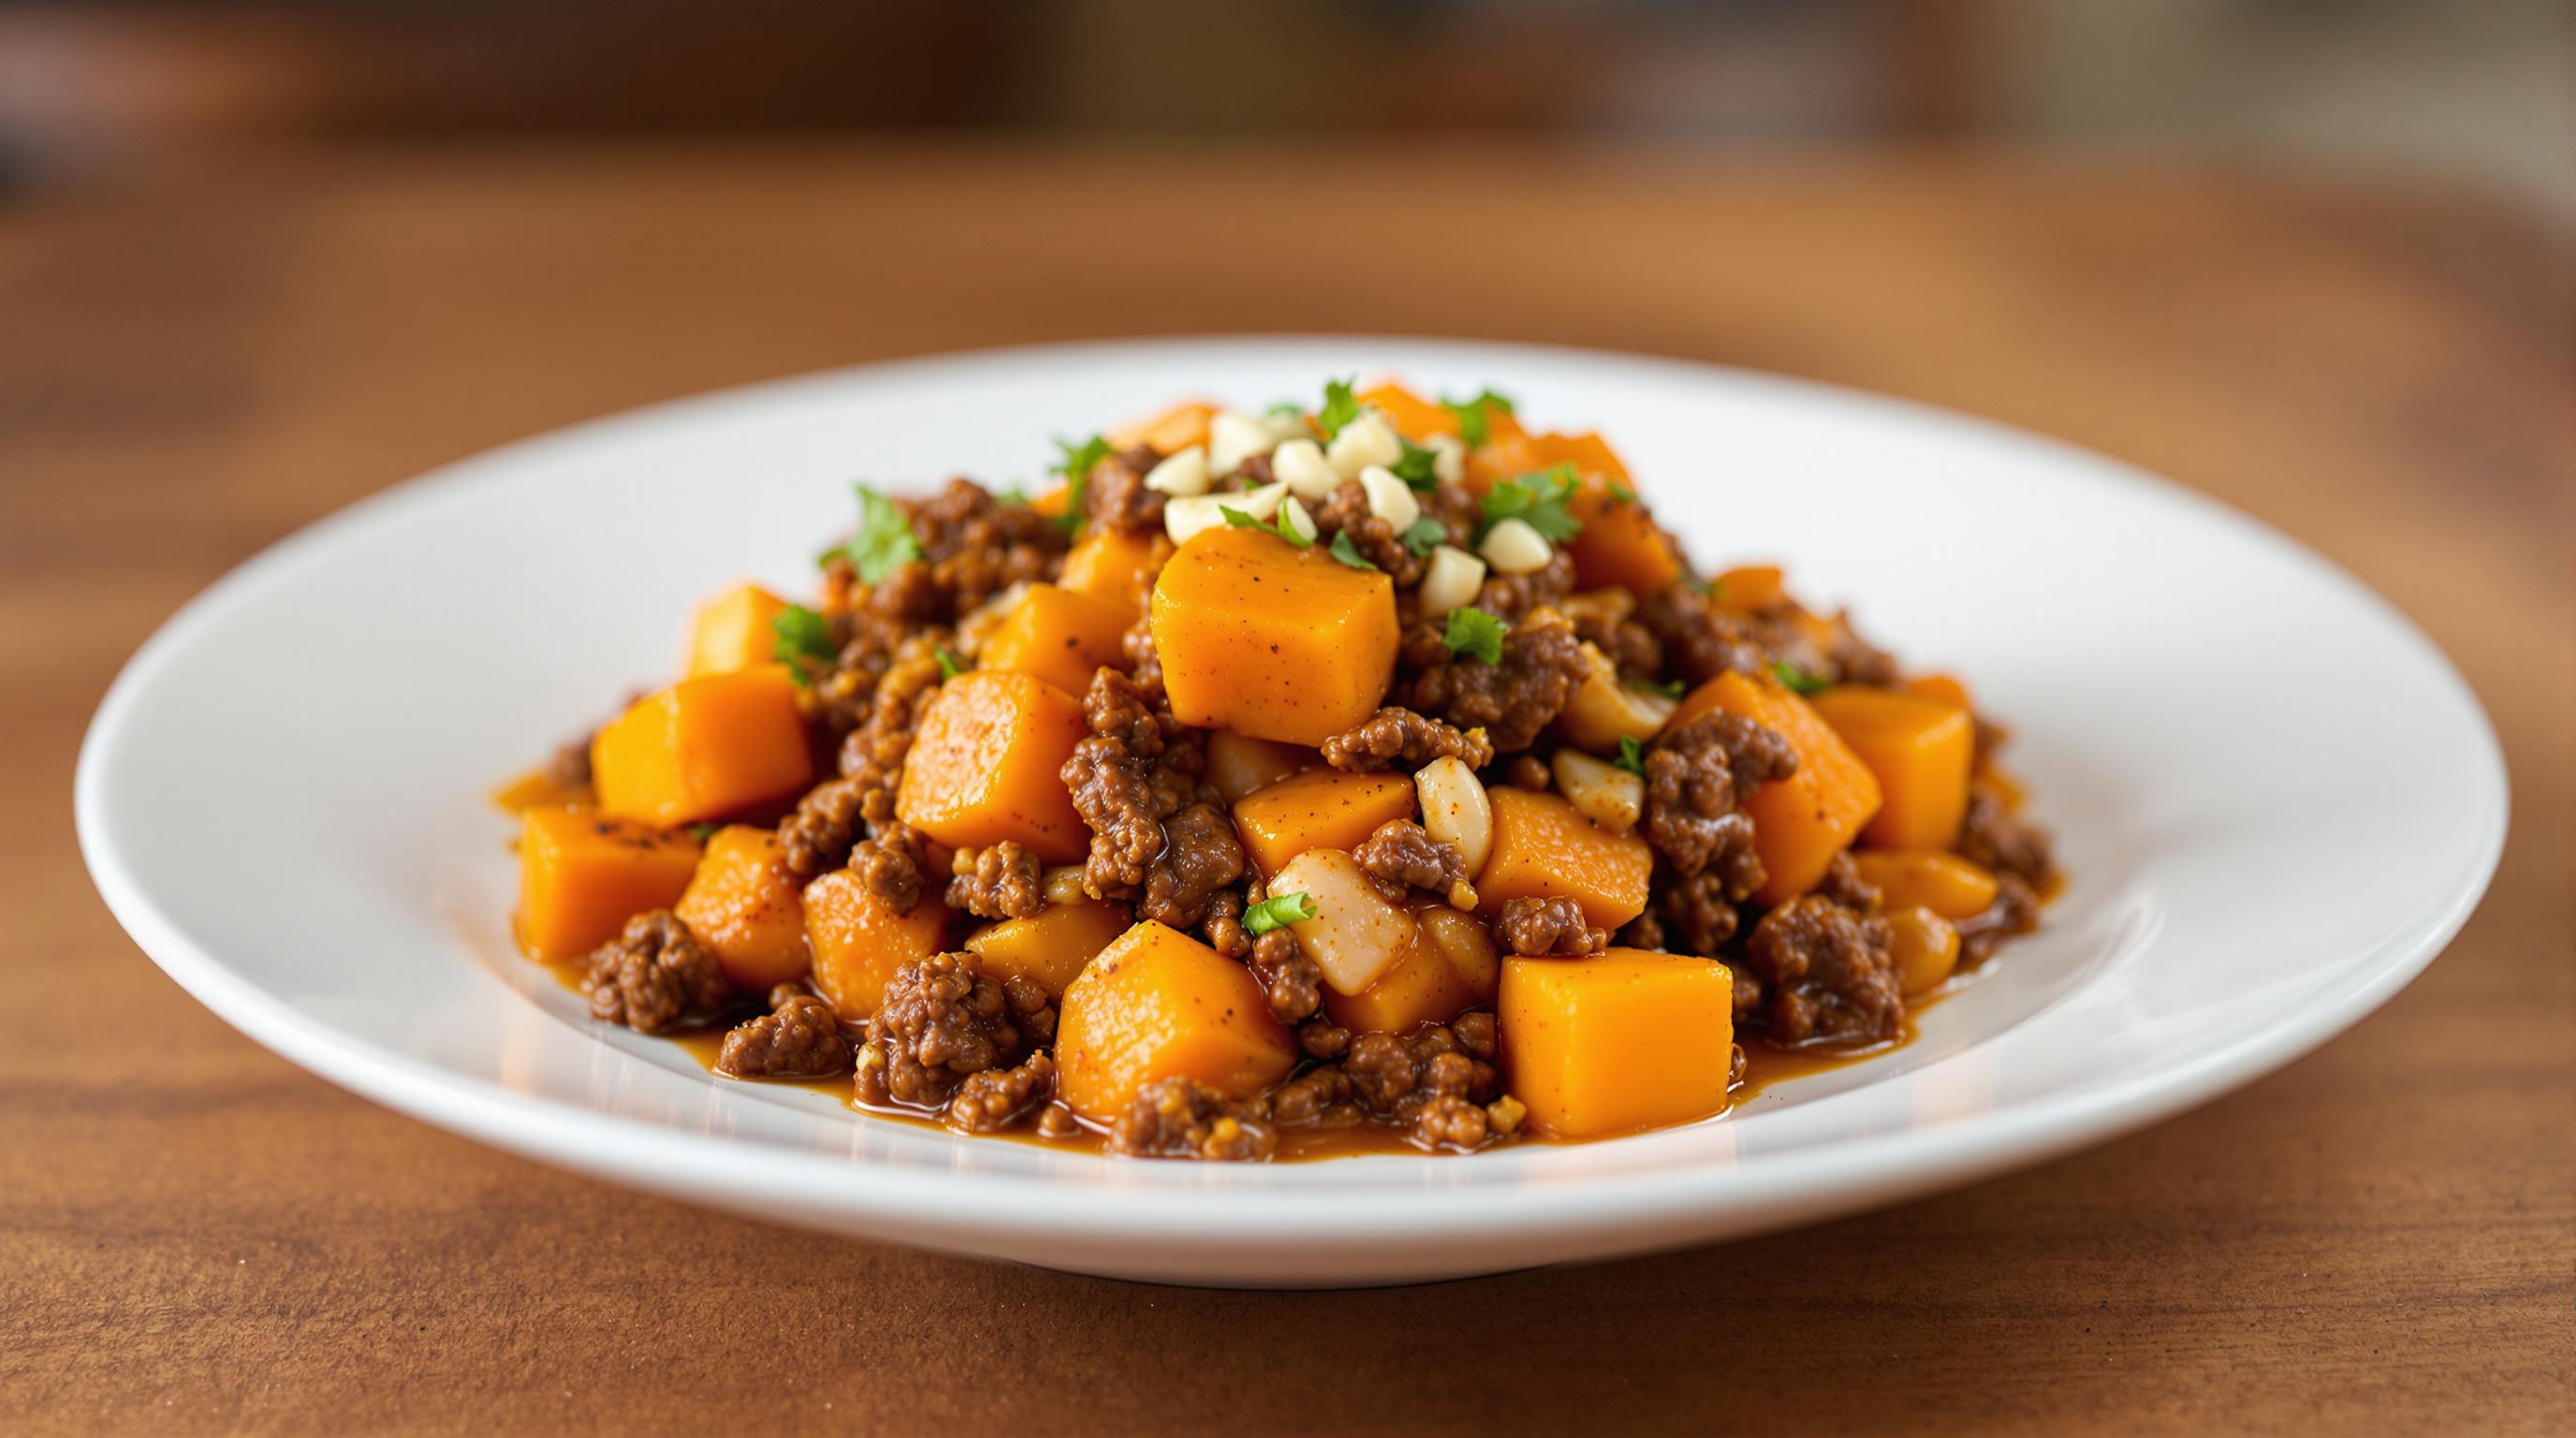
x: 1381, y: 768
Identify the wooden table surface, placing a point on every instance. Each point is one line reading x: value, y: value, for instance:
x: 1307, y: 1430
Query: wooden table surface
x: 196, y: 1236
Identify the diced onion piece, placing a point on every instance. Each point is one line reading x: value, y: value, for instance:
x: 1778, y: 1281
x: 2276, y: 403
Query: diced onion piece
x: 1448, y: 458
x: 1365, y: 441
x: 1450, y: 581
x: 1356, y: 935
x: 1188, y: 514
x: 1182, y: 473
x: 1455, y: 810
x: 1512, y: 547
x: 1294, y: 519
x: 1235, y: 437
x: 1603, y: 793
x: 1301, y: 466
x: 1603, y: 711
x: 1390, y: 498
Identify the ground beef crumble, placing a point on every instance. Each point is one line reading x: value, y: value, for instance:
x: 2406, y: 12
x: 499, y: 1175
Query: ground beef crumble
x: 1293, y: 982
x: 1177, y: 1118
x: 892, y: 866
x: 654, y: 975
x: 1397, y: 736
x: 1429, y: 1082
x: 1543, y: 664
x: 1697, y: 773
x: 1550, y: 925
x: 1404, y: 854
x: 941, y: 1020
x: 1138, y: 767
x: 1828, y: 971
x: 1994, y: 838
x: 799, y: 1037
x: 1002, y: 882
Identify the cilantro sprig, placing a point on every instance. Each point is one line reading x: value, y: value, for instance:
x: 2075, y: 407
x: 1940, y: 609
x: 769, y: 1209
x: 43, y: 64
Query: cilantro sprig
x: 1277, y: 525
x: 1797, y: 680
x: 802, y: 640
x: 1475, y: 415
x: 1537, y: 500
x: 1075, y: 462
x: 1425, y: 535
x: 1278, y: 912
x: 1341, y: 406
x: 1632, y: 756
x: 1349, y: 553
x: 1669, y: 688
x: 882, y: 543
x: 1416, y: 466
x: 1474, y: 632
x: 951, y: 663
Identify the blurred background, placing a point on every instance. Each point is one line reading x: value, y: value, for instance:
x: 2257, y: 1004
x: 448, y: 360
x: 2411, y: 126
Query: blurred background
x: 2477, y: 91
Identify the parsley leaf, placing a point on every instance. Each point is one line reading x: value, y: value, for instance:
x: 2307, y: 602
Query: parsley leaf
x: 1286, y: 409
x: 1473, y: 631
x: 1632, y: 756
x: 1474, y: 423
x: 1798, y: 680
x: 802, y: 640
x: 703, y: 832
x: 951, y: 663
x: 1622, y: 493
x: 1349, y: 553
x: 1425, y: 535
x: 1417, y: 467
x: 1075, y: 464
x: 1537, y: 500
x: 882, y: 543
x: 1278, y: 526
x: 1341, y: 406
x: 1277, y: 912
x: 1669, y: 688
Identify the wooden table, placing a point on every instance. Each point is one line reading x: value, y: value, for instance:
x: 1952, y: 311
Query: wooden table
x: 196, y: 1236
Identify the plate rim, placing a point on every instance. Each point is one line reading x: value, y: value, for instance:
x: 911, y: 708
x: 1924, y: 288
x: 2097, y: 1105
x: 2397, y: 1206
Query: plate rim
x: 1155, y: 1201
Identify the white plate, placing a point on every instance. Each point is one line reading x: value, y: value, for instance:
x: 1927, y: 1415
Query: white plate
x: 2275, y: 799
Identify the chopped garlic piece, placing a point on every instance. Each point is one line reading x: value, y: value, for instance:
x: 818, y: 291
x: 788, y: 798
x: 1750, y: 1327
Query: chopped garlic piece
x: 1450, y: 581
x: 1300, y: 464
x: 1512, y: 547
x: 1183, y: 473
x: 1390, y: 498
x: 1366, y: 440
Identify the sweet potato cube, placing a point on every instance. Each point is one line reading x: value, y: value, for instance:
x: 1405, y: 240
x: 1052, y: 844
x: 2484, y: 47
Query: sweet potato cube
x: 582, y: 875
x: 1921, y: 749
x: 1355, y: 935
x: 1927, y: 878
x: 732, y: 631
x: 1268, y: 639
x: 1158, y: 1004
x: 1616, y: 1042
x: 1117, y: 566
x: 985, y: 766
x: 1543, y: 846
x: 703, y: 748
x: 1238, y: 764
x: 1449, y: 967
x: 1059, y: 636
x: 1049, y: 947
x: 1319, y: 809
x: 1170, y: 432
x: 858, y: 940
x: 742, y: 902
x: 1801, y: 822
x: 1414, y: 417
x: 1750, y: 587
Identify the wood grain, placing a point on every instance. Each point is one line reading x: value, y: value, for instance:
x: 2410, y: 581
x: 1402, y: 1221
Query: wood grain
x: 197, y: 1237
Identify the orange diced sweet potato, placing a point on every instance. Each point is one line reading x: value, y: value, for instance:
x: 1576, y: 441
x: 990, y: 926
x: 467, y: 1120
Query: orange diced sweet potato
x: 703, y: 748
x: 1272, y: 640
x: 1801, y: 822
x: 732, y: 631
x: 1170, y: 432
x: 1414, y: 417
x: 1449, y: 967
x: 1117, y: 566
x: 1543, y: 846
x: 1238, y: 764
x: 582, y: 875
x: 1319, y: 809
x: 742, y: 902
x: 984, y: 766
x: 1940, y: 686
x: 1059, y: 636
x: 1616, y: 1042
x: 1620, y: 543
x: 1927, y: 878
x: 1750, y: 587
x: 1920, y: 748
x: 1158, y: 1004
x: 858, y: 940
x: 1049, y: 947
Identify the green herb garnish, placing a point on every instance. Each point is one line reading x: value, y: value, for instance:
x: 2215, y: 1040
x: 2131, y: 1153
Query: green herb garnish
x: 1669, y: 688
x: 1347, y: 552
x: 802, y: 640
x: 703, y: 832
x: 1278, y: 525
x: 1416, y: 466
x: 1621, y: 493
x: 1798, y: 680
x: 1537, y: 500
x: 1632, y: 756
x: 1473, y: 416
x: 1341, y: 406
x: 1425, y: 535
x: 881, y: 544
x: 1278, y: 912
x: 1473, y: 631
x: 1075, y: 463
x: 951, y: 663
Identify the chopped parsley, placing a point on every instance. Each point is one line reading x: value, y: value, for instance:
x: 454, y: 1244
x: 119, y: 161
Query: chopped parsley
x: 1349, y: 553
x: 1278, y: 912
x: 1473, y: 631
x: 801, y: 640
x: 1278, y: 526
x: 1632, y: 756
x: 881, y: 544
x: 1341, y: 406
x: 1075, y: 464
x: 1425, y: 535
x: 1014, y: 495
x: 1537, y: 500
x: 951, y: 663
x: 1669, y: 688
x: 703, y: 832
x: 1474, y: 415
x: 1286, y: 409
x: 1417, y: 467
x: 1621, y: 493
x: 1798, y: 680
